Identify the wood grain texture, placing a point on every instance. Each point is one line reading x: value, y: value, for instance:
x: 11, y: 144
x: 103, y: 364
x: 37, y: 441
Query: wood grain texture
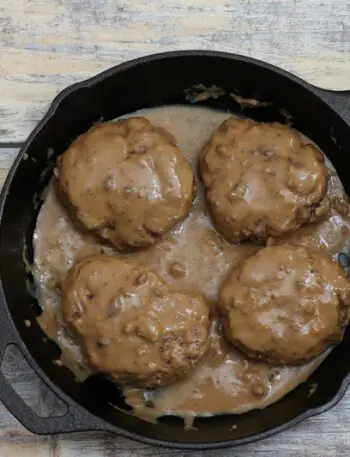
x: 46, y: 45
x: 7, y: 156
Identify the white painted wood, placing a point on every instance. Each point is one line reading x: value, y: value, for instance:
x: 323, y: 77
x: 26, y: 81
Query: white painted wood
x: 46, y: 45
x: 7, y: 156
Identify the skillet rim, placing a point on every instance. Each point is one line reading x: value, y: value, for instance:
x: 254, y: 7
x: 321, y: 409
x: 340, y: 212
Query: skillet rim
x: 324, y: 95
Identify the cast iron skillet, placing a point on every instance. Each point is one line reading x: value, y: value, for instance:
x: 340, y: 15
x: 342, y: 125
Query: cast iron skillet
x: 168, y: 78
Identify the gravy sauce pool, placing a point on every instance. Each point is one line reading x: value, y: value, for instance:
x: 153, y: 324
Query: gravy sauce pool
x: 191, y: 257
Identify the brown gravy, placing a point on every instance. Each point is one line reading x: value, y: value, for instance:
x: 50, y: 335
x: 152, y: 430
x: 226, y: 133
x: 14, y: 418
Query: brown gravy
x: 192, y: 257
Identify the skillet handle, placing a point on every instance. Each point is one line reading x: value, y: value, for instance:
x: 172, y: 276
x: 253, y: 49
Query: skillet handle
x: 338, y: 100
x: 75, y: 419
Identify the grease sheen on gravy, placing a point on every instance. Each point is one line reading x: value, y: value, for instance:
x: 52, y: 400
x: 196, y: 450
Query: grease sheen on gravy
x: 193, y: 256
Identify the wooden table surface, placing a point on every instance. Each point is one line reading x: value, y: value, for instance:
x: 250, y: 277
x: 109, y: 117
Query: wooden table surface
x: 46, y: 45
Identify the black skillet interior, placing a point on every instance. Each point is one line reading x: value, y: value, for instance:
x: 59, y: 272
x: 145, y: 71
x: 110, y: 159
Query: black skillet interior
x: 154, y: 81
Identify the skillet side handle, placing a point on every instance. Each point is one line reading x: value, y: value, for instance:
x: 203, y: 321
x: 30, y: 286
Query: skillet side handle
x: 338, y: 100
x: 74, y: 420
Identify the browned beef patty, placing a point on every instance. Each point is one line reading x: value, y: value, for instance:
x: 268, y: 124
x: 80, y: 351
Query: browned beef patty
x: 285, y: 304
x: 130, y: 325
x: 261, y: 180
x: 126, y: 181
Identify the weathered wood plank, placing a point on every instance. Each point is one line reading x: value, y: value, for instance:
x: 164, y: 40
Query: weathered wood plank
x: 7, y: 156
x: 324, y: 436
x: 45, y: 46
